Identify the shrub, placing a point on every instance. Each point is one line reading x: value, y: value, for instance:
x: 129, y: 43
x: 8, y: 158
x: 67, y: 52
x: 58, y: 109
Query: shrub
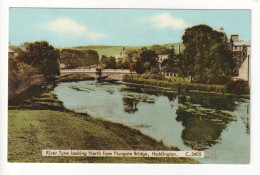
x: 26, y: 70
x: 148, y: 75
x: 219, y: 80
x: 155, y: 80
x: 237, y: 86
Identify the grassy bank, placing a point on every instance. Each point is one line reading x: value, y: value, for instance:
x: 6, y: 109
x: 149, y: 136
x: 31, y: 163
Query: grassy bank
x: 37, y: 120
x: 176, y: 84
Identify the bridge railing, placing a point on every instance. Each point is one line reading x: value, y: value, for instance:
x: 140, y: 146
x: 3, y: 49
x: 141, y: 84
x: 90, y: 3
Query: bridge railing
x: 94, y: 70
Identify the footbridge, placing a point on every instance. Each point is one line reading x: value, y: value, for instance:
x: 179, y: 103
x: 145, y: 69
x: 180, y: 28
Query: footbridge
x: 115, y: 74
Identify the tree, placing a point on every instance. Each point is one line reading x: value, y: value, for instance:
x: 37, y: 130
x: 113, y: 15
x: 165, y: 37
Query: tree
x: 137, y: 66
x: 87, y: 57
x: 41, y: 56
x: 171, y: 63
x: 69, y: 58
x: 204, y: 54
x: 12, y: 66
x: 160, y: 50
x: 108, y: 62
x: 123, y: 64
x: 79, y: 58
x: 148, y: 58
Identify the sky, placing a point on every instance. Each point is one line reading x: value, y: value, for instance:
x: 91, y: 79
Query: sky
x: 121, y: 27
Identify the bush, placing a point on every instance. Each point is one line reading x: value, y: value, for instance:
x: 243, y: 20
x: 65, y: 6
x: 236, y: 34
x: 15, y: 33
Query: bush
x: 12, y: 66
x: 155, y: 80
x: 153, y: 76
x: 26, y: 70
x: 218, y: 80
x: 236, y: 87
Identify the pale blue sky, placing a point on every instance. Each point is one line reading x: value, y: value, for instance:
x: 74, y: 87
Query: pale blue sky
x: 75, y: 27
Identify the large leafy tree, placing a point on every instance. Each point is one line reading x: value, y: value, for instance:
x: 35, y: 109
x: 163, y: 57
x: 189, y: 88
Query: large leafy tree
x: 137, y: 66
x: 88, y: 57
x: 142, y: 60
x: 69, y: 58
x: 108, y: 62
x: 205, y: 55
x: 78, y: 58
x: 41, y: 56
x: 148, y: 58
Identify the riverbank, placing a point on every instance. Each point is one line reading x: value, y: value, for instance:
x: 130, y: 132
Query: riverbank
x: 38, y: 120
x: 18, y: 84
x: 176, y: 85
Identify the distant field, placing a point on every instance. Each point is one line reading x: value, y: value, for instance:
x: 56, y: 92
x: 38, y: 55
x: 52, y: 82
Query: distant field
x: 115, y: 50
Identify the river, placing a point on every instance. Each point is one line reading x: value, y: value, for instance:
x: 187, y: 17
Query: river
x: 214, y: 123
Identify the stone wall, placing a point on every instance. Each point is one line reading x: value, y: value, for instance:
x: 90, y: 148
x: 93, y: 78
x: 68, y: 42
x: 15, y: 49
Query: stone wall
x: 19, y: 84
x: 244, y: 71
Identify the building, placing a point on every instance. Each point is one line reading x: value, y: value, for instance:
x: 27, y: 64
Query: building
x: 120, y: 57
x: 241, y: 51
x: 161, y: 58
x: 241, y: 55
x: 11, y: 52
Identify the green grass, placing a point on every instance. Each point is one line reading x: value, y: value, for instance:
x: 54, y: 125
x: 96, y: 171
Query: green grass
x: 30, y: 131
x: 37, y: 120
x: 174, y: 84
x: 115, y: 50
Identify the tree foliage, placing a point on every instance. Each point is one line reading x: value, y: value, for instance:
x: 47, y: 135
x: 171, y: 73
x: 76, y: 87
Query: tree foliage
x: 137, y: 66
x: 148, y: 58
x: 42, y: 56
x: 140, y: 61
x: 69, y: 58
x: 205, y: 57
x: 160, y: 50
x: 78, y: 58
x: 12, y: 65
x: 108, y: 62
x: 88, y: 57
x: 171, y: 63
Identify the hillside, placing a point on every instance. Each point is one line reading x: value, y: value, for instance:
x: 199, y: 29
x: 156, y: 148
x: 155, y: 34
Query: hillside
x: 108, y: 50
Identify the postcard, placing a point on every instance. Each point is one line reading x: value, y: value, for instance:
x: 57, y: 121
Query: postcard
x: 129, y: 86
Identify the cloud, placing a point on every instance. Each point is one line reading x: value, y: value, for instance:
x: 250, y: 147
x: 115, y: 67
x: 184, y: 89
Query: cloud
x: 164, y: 20
x: 70, y: 27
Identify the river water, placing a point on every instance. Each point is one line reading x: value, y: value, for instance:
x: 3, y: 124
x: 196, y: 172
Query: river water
x: 214, y: 123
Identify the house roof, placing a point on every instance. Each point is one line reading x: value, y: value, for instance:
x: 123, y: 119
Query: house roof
x: 10, y: 50
x: 121, y: 56
x: 163, y: 56
x: 241, y: 43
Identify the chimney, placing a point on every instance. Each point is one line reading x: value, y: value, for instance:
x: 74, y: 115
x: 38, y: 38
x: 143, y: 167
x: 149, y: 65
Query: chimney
x: 234, y: 37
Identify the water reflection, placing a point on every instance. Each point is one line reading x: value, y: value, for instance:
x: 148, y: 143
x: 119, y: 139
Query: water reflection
x: 130, y: 101
x: 209, y: 100
x: 200, y: 131
x: 204, y: 118
x: 130, y: 104
x: 171, y: 95
x: 189, y: 120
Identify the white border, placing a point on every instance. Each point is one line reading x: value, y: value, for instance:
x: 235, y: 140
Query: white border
x: 51, y: 169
